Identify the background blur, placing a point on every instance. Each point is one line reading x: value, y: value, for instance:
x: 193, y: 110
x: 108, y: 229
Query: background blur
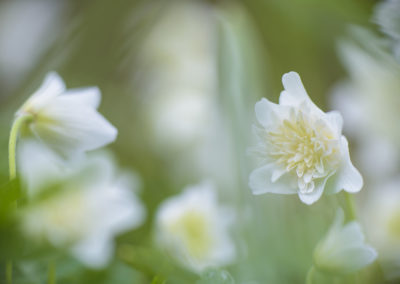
x: 179, y: 80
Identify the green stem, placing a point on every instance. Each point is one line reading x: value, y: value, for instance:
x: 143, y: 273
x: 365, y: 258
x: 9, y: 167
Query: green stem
x: 51, y: 274
x: 351, y: 209
x: 310, y: 275
x: 12, y: 144
x: 9, y: 269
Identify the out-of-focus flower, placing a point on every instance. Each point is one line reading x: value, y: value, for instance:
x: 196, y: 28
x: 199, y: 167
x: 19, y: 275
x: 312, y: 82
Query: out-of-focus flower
x: 302, y: 148
x: 387, y: 16
x: 178, y: 57
x: 179, y: 89
x: 89, y: 209
x: 67, y: 121
x: 193, y: 227
x: 343, y: 249
x: 381, y: 215
x: 369, y: 100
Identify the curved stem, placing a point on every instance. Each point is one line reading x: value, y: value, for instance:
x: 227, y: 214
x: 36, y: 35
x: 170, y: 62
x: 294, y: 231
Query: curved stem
x: 51, y: 275
x: 310, y: 275
x: 12, y: 144
x: 351, y: 209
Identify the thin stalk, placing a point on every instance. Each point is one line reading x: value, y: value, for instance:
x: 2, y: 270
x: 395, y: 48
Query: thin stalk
x: 9, y: 273
x: 310, y: 275
x: 51, y: 273
x: 351, y: 209
x: 12, y: 146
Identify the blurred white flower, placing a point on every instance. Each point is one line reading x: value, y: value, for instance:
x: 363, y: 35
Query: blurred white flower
x: 67, y: 121
x: 302, y: 148
x: 369, y: 100
x: 381, y: 216
x: 194, y: 228
x: 179, y: 93
x: 343, y: 249
x: 178, y: 57
x: 89, y: 209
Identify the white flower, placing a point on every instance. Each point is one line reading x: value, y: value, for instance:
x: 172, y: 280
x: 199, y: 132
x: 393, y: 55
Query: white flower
x: 89, y: 209
x: 193, y: 228
x: 343, y: 250
x: 303, y: 148
x: 67, y: 121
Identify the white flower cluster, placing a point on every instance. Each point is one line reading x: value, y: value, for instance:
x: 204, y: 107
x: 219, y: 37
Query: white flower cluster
x: 93, y: 204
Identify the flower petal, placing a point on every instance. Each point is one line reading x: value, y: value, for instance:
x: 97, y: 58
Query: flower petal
x: 315, y: 195
x: 343, y: 249
x: 69, y: 128
x: 90, y: 96
x: 267, y: 112
x: 260, y: 182
x: 347, y: 177
x: 335, y: 120
x: 38, y: 165
x: 351, y: 259
x: 295, y: 94
x: 52, y: 86
x: 95, y: 251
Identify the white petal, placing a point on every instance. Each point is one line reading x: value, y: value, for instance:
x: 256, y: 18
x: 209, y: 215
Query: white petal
x: 90, y: 96
x: 69, y: 129
x: 122, y: 210
x: 343, y: 249
x: 347, y: 177
x: 277, y: 173
x: 352, y: 259
x: 267, y: 112
x: 260, y: 182
x: 38, y: 165
x: 351, y: 234
x: 94, y: 251
x: 315, y: 195
x: 295, y: 94
x: 51, y: 87
x: 335, y: 121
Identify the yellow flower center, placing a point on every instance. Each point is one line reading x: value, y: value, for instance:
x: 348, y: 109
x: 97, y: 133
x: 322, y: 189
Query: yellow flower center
x: 305, y: 147
x: 193, y: 229
x: 62, y: 219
